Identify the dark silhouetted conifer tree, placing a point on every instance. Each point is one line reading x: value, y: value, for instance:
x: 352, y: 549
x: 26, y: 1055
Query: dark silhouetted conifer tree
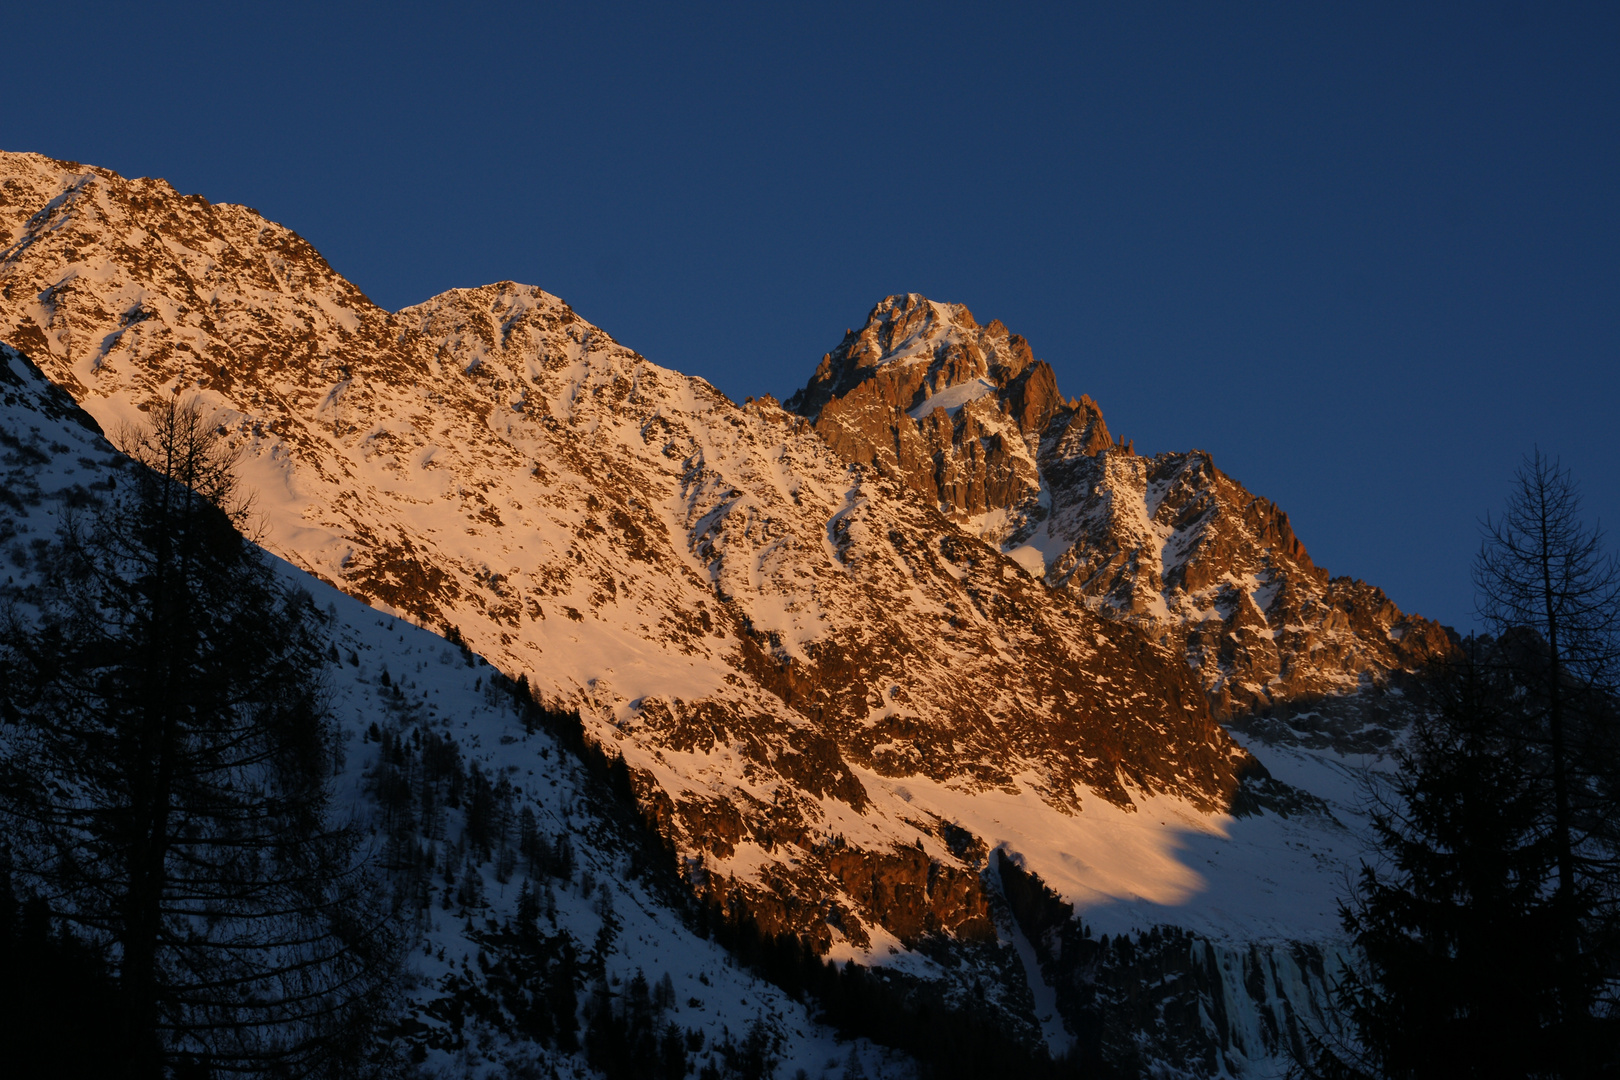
x: 163, y: 783
x: 1457, y: 926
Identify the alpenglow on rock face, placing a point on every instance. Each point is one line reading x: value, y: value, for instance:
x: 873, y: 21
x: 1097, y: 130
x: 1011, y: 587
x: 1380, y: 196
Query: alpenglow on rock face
x: 849, y: 649
x: 755, y: 623
x: 966, y: 416
x: 924, y: 393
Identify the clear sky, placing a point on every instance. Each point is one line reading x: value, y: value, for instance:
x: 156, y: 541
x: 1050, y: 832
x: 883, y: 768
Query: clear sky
x: 1365, y: 255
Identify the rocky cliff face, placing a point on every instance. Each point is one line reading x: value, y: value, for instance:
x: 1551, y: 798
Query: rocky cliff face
x: 1204, y: 1007
x: 968, y: 417
x: 953, y: 410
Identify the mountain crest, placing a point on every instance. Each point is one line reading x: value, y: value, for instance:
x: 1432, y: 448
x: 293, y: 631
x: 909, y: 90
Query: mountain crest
x: 955, y: 410
x: 926, y: 355
x: 966, y: 416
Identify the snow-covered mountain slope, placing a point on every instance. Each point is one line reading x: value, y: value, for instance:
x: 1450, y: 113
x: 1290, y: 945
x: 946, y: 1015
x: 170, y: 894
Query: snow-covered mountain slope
x: 393, y: 681
x: 966, y: 415
x: 841, y: 684
x: 771, y: 634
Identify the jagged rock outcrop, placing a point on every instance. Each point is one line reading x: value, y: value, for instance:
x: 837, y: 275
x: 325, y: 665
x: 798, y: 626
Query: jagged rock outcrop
x: 968, y: 416
x: 1178, y: 547
x: 952, y: 409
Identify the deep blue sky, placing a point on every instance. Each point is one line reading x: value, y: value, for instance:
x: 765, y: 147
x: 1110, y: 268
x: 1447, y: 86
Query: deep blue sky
x: 1366, y: 256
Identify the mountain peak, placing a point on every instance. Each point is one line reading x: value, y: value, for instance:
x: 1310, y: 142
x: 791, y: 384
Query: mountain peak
x: 955, y: 409
x: 930, y: 348
x: 909, y: 325
x: 966, y: 416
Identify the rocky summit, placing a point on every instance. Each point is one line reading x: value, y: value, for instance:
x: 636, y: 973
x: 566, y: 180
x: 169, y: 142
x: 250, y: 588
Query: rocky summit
x: 967, y: 417
x: 894, y: 667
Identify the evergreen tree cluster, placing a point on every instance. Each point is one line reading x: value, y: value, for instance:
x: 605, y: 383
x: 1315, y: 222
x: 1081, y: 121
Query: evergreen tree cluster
x: 447, y: 822
x: 949, y: 1040
x: 446, y: 819
x: 526, y: 984
x: 1457, y: 928
x: 164, y: 767
x: 58, y: 994
x: 630, y: 1039
x: 1488, y: 931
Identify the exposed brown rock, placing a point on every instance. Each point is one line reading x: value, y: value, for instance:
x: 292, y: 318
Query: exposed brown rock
x: 1167, y: 543
x: 869, y: 400
x: 911, y: 894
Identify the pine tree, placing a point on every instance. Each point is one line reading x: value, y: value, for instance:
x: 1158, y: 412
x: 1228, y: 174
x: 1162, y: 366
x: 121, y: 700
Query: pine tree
x: 1551, y: 595
x: 57, y: 997
x: 164, y: 784
x: 1457, y: 927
